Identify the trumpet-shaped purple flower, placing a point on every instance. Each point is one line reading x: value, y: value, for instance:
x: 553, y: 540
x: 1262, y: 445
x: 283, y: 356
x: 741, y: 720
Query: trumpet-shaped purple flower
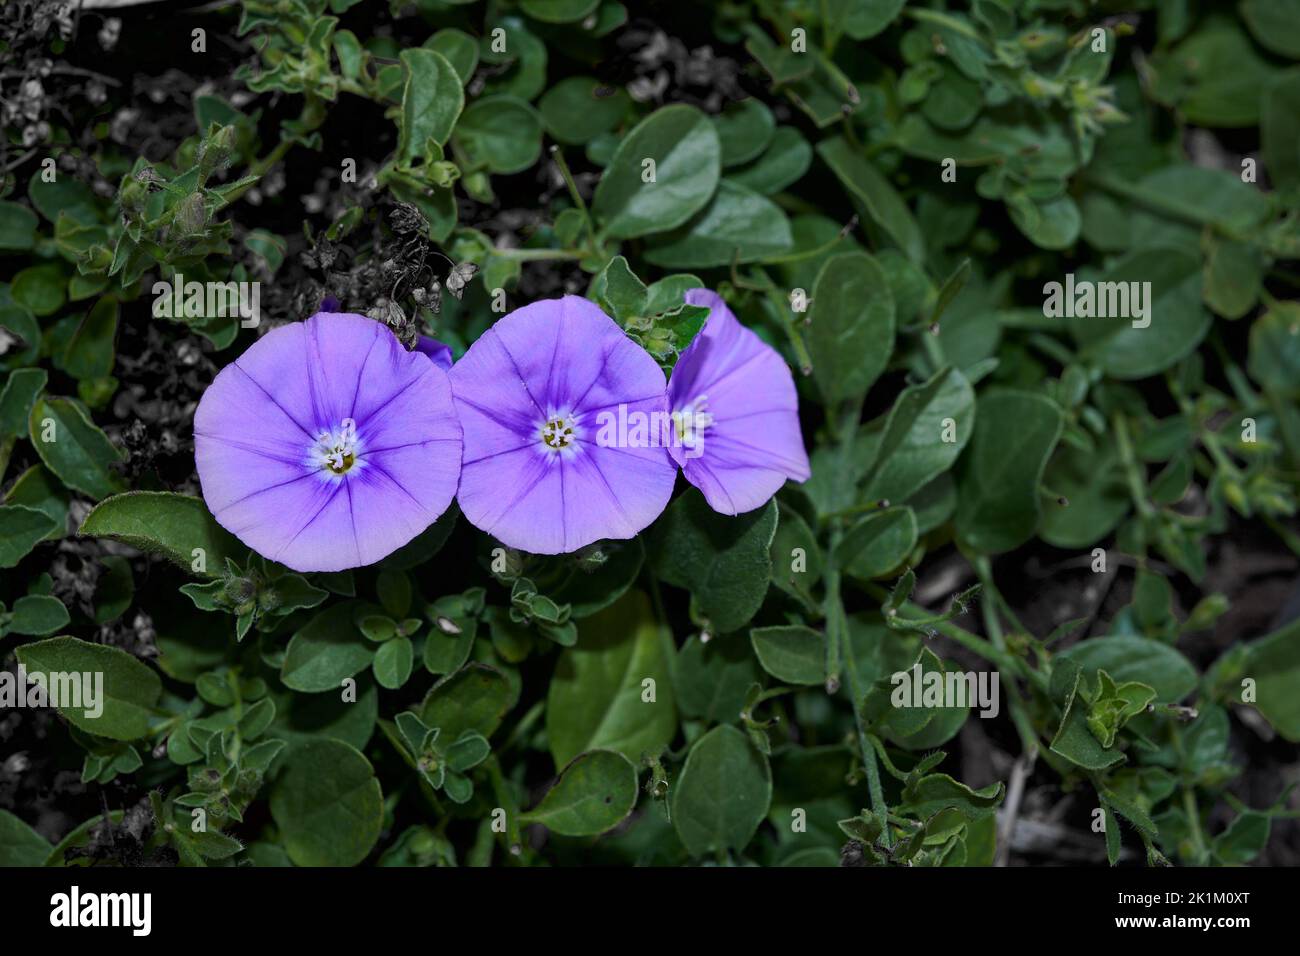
x: 736, y: 413
x: 533, y: 393
x: 327, y: 445
x: 438, y: 352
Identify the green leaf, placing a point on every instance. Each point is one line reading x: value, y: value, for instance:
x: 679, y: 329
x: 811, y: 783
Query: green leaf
x: 129, y: 693
x: 1234, y: 276
x: 16, y: 400
x: 595, y: 793
x: 38, y: 488
x: 938, y: 791
x: 501, y: 133
x: 796, y: 558
x: 559, y: 11
x: 596, y: 698
x: 1093, y: 484
x: 953, y: 101
x: 1153, y: 663
x: 1052, y: 223
x: 737, y: 225
x: 1274, y: 358
x: 327, y: 804
x: 460, y: 49
x: 620, y: 291
x: 17, y: 226
x: 20, y: 324
x: 1245, y: 839
x: 926, y: 430
x: 1213, y: 77
x: 714, y: 676
x: 791, y: 653
x: 170, y: 525
x: 1074, y: 741
x: 745, y: 128
x: 41, y: 288
x: 723, y: 561
x: 999, y: 476
x: 468, y: 751
x: 90, y: 351
x: 878, y: 543
x: 579, y: 108
x: 784, y: 163
x: 1273, y: 24
x: 21, y: 529
x: 432, y: 100
x: 852, y: 319
x: 864, y: 19
x: 73, y: 448
x: 476, y: 698
x: 20, y: 845
x: 393, y: 662
x: 687, y: 163
x: 38, y: 615
x: 329, y: 649
x: 723, y: 793
x: 873, y: 195
x: 1279, y: 129
x: 1273, y: 664
x: 1177, y: 319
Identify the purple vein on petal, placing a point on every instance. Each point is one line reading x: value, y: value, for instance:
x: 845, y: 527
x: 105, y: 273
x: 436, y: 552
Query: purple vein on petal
x: 699, y: 462
x: 375, y: 466
x: 394, y: 397
x: 254, y: 494
x: 496, y: 454
x: 245, y: 446
x: 522, y: 381
x: 352, y: 517
x: 714, y: 385
x: 274, y: 400
x: 779, y: 460
x: 554, y: 388
x: 628, y: 402
x: 600, y: 374
x: 412, y: 444
x: 538, y: 473
x: 329, y: 499
x: 316, y: 364
x: 609, y: 491
x: 361, y: 375
x: 498, y: 416
x: 564, y: 525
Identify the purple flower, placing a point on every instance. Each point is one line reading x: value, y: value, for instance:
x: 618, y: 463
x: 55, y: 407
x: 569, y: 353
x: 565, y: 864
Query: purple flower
x: 438, y: 352
x: 532, y: 394
x: 327, y: 445
x: 736, y: 413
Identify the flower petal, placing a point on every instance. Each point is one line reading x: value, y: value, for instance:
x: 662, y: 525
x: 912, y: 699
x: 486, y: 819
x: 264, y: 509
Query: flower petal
x: 562, y: 357
x: 256, y: 434
x: 753, y: 442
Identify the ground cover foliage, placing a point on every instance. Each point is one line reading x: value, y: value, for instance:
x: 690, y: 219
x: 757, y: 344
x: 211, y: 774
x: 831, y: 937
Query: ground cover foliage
x: 1097, y: 510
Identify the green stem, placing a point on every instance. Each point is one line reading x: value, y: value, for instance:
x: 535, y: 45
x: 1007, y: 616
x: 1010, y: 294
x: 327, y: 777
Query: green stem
x: 1158, y: 203
x: 786, y: 315
x: 1024, y: 726
x: 1190, y: 808
x: 1132, y: 472
x: 532, y: 255
x: 514, y: 840
x: 578, y: 201
x: 857, y: 695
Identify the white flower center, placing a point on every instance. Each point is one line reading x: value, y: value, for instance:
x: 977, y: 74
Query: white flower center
x: 558, y: 432
x: 692, y: 421
x: 337, y: 451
